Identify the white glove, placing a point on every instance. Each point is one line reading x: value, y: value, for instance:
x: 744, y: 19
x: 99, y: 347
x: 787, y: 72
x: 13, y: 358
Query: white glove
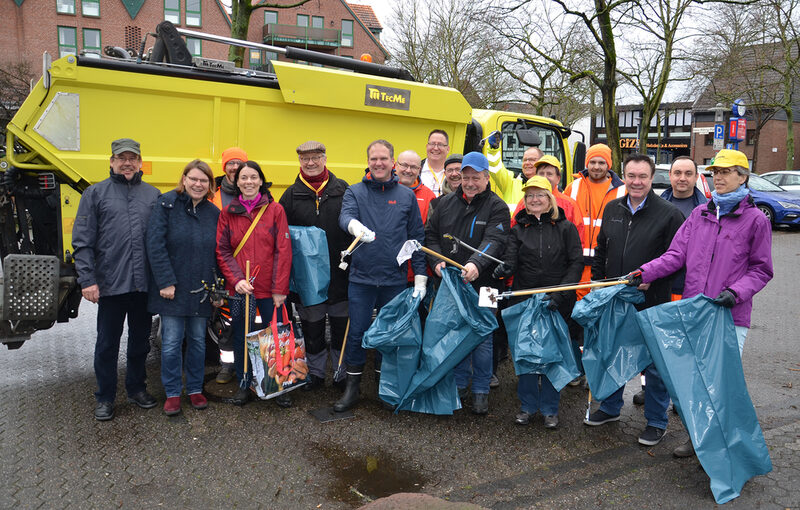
x: 420, y: 286
x: 355, y: 227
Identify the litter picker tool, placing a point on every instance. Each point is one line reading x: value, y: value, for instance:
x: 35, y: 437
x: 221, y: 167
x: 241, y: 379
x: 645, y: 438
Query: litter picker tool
x: 338, y: 373
x: 488, y: 297
x: 350, y: 249
x: 458, y: 241
x: 326, y: 414
x: 412, y: 245
x: 246, y: 322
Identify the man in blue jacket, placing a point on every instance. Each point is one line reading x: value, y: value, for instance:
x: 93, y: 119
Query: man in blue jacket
x: 109, y: 242
x: 386, y: 215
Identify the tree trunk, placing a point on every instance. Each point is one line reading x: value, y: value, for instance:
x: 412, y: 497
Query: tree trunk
x: 787, y: 108
x: 240, y: 24
x: 608, y: 88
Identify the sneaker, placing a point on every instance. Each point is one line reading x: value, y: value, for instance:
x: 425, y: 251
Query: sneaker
x: 226, y: 373
x: 494, y: 382
x: 551, y: 421
x: 198, y: 401
x: 638, y: 398
x: 241, y: 397
x: 523, y: 418
x: 684, y: 450
x: 172, y: 406
x: 143, y: 400
x: 600, y: 417
x: 651, y: 436
x: 104, y: 411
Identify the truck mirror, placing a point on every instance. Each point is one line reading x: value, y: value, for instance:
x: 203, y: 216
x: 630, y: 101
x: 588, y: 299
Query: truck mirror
x: 528, y: 137
x: 578, y: 157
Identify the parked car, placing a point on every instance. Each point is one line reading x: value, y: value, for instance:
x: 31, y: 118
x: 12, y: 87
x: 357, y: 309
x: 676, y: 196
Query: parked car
x: 780, y: 206
x: 786, y: 179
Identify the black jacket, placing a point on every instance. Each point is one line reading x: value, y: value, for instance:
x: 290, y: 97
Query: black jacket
x: 482, y: 223
x: 627, y: 240
x: 300, y: 204
x: 544, y: 252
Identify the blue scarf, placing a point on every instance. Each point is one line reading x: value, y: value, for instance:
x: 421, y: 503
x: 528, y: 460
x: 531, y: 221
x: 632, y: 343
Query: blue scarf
x: 727, y: 201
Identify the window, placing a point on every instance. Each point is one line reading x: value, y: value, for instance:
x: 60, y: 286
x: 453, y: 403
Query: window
x: 65, y: 6
x: 513, y: 150
x: 270, y: 17
x: 302, y: 20
x: 255, y: 59
x: 708, y: 139
x: 90, y: 8
x: 67, y: 41
x: 193, y: 14
x: 91, y: 41
x: 317, y: 22
x: 347, y: 32
x: 172, y: 11
x: 751, y: 133
x: 194, y: 46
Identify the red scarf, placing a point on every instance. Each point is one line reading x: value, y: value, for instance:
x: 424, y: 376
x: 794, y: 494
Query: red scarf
x: 317, y: 182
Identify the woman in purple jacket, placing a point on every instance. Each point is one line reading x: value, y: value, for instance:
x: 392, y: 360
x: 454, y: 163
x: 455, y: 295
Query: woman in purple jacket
x: 729, y: 245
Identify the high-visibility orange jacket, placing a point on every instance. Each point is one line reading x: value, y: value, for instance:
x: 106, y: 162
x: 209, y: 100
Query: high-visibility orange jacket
x: 592, y: 199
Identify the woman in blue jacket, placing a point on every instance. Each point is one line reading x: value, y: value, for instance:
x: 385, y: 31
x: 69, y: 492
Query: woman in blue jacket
x: 181, y: 248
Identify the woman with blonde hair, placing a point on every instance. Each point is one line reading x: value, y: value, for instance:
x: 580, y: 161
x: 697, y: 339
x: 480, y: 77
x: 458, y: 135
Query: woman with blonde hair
x: 181, y: 250
x: 543, y: 250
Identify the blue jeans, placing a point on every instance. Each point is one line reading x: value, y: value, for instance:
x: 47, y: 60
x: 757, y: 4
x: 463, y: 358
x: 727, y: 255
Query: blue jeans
x: 656, y: 400
x: 265, y: 308
x: 478, y: 366
x: 111, y: 314
x: 173, y: 330
x: 534, y: 399
x: 363, y: 299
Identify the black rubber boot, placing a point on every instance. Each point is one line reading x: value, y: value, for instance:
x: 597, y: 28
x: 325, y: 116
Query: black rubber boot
x: 352, y: 391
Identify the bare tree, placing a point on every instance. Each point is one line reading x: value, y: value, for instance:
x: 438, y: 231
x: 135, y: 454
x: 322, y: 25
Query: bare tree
x: 445, y: 42
x: 241, y: 10
x: 15, y: 83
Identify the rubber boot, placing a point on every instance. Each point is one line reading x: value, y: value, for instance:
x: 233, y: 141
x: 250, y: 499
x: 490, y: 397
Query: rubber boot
x: 352, y: 391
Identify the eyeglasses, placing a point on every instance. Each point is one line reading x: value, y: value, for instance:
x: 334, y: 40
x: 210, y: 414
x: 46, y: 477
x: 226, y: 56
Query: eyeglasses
x: 127, y: 160
x: 540, y: 196
x: 406, y: 165
x: 315, y: 158
x: 196, y: 180
x: 722, y: 171
x: 437, y: 145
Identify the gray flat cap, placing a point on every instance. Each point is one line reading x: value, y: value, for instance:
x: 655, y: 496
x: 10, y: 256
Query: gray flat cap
x: 310, y: 146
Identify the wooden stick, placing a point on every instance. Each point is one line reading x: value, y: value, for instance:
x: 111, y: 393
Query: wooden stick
x: 336, y: 372
x: 246, y: 314
x: 350, y: 248
x: 440, y: 256
x: 530, y: 292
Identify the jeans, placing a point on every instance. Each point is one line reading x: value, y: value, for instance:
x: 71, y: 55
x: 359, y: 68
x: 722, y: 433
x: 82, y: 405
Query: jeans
x: 656, y: 400
x: 265, y: 308
x: 534, y: 399
x: 478, y: 365
x: 173, y: 330
x: 111, y: 314
x: 363, y: 299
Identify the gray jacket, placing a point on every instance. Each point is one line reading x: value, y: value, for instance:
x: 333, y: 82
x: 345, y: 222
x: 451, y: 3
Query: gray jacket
x: 109, y: 235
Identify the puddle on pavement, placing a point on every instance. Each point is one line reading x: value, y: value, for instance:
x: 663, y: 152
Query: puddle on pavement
x: 358, y: 480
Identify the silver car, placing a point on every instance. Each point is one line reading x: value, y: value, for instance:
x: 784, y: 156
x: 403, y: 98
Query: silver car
x: 786, y: 179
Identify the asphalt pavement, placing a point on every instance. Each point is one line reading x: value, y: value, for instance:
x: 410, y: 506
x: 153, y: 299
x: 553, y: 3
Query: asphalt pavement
x: 55, y: 455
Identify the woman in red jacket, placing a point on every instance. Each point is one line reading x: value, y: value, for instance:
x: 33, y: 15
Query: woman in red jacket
x: 269, y: 250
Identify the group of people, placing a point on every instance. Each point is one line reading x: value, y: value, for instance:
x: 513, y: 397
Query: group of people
x: 139, y: 253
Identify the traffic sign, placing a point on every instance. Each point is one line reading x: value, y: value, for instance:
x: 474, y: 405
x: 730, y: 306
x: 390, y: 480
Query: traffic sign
x: 719, y: 131
x: 733, y: 128
x: 718, y: 144
x: 741, y: 128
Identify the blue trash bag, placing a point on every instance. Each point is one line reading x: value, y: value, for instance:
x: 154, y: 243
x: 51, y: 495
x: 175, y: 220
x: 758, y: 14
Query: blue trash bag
x: 455, y: 326
x: 311, y: 266
x: 397, y: 333
x: 613, y: 346
x: 539, y: 342
x: 694, y: 348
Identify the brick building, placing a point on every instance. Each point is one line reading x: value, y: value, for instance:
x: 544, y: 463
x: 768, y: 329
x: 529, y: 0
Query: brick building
x: 60, y: 27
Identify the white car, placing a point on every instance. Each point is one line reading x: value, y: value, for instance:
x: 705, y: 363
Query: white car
x: 786, y: 179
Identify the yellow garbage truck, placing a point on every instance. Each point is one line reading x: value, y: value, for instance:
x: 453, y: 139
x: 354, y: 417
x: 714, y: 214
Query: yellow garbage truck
x: 181, y: 108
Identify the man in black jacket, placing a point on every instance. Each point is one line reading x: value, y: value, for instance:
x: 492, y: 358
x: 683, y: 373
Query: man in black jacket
x: 315, y: 199
x: 477, y: 216
x: 636, y: 229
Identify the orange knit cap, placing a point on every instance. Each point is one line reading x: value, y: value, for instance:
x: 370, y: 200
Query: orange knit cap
x: 233, y: 153
x: 599, y: 150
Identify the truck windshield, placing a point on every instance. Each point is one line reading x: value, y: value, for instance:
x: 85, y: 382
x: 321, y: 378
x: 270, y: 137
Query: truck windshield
x: 513, y: 149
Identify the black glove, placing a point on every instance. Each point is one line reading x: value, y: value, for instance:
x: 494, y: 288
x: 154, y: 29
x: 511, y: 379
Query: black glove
x: 501, y: 272
x: 554, y: 300
x: 726, y: 298
x: 634, y: 278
